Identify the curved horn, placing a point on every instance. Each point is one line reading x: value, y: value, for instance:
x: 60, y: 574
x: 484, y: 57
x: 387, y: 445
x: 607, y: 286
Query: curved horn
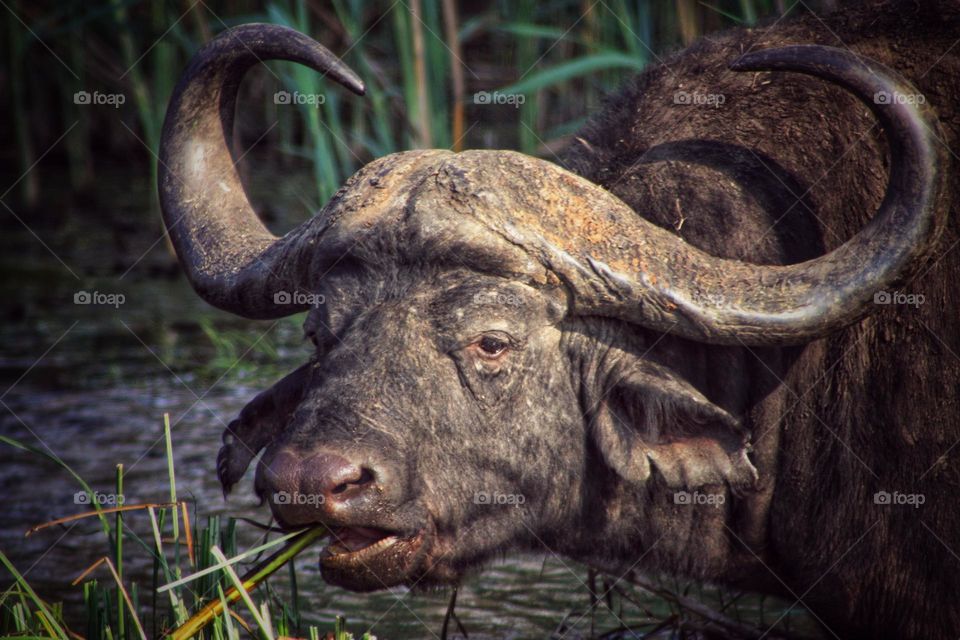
x: 797, y: 303
x: 612, y: 262
x: 230, y: 258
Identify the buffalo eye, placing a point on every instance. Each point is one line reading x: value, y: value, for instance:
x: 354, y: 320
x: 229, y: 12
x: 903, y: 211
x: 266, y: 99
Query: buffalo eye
x: 492, y: 347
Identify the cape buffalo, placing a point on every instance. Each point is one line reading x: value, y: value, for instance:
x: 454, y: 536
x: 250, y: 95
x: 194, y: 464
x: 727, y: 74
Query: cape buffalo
x: 717, y: 338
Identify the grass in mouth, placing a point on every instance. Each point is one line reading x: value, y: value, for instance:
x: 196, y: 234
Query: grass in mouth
x: 195, y: 587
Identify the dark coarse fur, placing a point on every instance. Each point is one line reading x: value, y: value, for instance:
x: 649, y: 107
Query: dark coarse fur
x: 786, y: 168
x: 407, y: 420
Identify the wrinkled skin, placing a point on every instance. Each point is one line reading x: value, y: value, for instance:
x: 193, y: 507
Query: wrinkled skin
x: 442, y: 383
x: 434, y: 396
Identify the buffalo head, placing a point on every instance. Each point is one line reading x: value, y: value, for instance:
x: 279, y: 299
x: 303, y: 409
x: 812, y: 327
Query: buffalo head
x: 480, y: 380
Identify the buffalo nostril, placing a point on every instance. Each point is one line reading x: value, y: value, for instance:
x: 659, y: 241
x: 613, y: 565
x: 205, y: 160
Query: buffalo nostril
x: 335, y: 478
x: 366, y: 477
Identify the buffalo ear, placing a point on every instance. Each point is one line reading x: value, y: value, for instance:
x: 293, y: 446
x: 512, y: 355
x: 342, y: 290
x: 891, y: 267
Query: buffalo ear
x: 651, y: 420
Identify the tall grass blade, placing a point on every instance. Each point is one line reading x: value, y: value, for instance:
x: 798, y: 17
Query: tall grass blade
x: 118, y: 558
x: 55, y: 458
x: 171, y: 475
x: 124, y: 598
x: 254, y: 577
x: 261, y: 615
x: 575, y: 68
x: 50, y: 621
x: 233, y: 560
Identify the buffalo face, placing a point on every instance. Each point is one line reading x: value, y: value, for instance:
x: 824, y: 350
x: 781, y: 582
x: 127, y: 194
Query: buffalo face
x: 407, y: 378
x: 445, y: 421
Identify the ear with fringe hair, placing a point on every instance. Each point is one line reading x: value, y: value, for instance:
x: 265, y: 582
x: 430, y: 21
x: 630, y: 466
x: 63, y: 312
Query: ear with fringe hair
x: 649, y: 420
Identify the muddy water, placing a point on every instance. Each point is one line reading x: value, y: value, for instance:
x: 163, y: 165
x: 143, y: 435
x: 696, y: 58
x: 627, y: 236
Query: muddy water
x: 89, y: 383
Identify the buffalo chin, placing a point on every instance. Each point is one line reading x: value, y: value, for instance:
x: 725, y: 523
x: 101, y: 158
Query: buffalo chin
x: 386, y: 561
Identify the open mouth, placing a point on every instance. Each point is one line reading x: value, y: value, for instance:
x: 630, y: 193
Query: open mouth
x: 350, y: 545
x: 366, y: 559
